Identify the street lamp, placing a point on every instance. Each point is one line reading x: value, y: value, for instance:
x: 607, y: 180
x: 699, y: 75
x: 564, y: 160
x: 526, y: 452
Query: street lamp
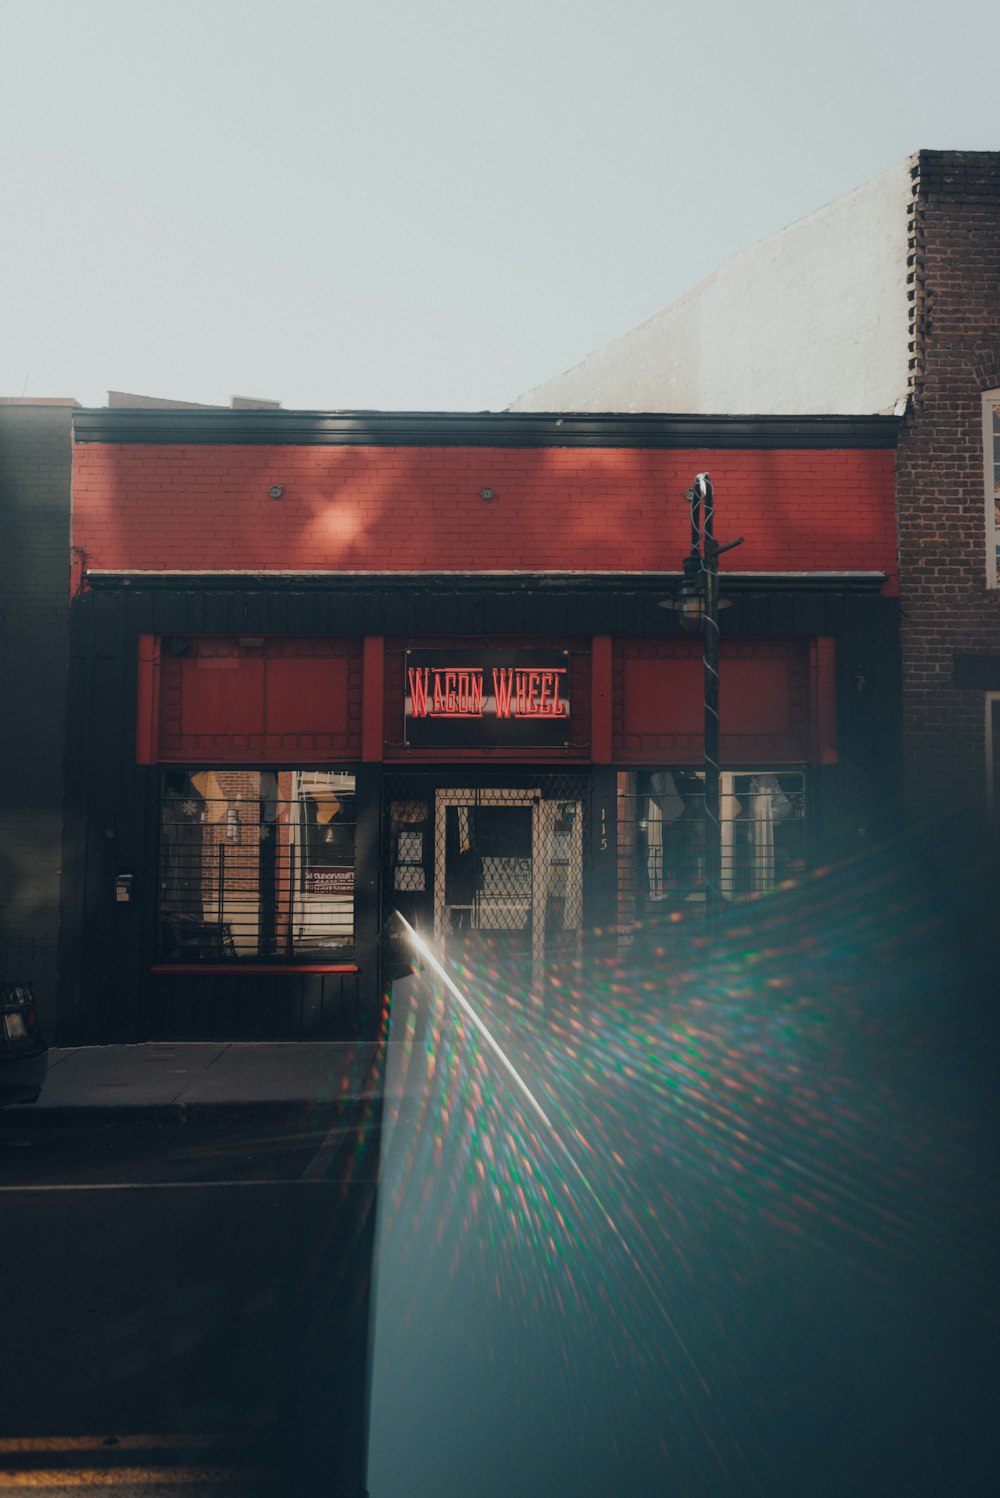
x: 697, y: 606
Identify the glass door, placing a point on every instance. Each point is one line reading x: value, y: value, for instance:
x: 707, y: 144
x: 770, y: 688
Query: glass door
x: 508, y: 873
x: 486, y: 881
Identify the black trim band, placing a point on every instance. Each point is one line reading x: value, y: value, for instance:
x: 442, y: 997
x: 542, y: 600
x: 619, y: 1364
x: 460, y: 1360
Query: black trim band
x: 480, y: 583
x: 479, y: 429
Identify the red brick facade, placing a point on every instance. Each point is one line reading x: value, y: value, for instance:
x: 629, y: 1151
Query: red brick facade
x: 153, y: 508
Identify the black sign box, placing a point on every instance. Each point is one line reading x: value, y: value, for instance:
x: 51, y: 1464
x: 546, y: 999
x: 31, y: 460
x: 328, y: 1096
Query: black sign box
x: 470, y: 699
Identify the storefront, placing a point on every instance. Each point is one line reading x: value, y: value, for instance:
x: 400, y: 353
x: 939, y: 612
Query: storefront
x: 321, y: 670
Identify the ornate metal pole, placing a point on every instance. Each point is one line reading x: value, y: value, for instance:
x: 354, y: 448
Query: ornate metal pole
x: 701, y: 497
x: 713, y: 825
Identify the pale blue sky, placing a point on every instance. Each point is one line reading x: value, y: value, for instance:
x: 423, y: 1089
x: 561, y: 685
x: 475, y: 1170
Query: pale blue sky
x: 426, y: 204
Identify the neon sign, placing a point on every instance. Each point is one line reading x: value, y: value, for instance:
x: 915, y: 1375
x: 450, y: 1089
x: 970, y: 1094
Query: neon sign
x: 437, y: 692
x: 467, y: 697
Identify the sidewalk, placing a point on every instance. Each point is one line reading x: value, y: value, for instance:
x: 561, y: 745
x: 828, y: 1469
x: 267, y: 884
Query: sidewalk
x: 180, y: 1081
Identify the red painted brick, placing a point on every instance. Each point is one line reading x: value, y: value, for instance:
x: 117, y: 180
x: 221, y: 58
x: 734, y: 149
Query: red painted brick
x: 382, y: 509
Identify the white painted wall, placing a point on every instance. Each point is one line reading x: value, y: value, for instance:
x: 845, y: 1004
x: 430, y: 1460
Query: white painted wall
x: 813, y: 320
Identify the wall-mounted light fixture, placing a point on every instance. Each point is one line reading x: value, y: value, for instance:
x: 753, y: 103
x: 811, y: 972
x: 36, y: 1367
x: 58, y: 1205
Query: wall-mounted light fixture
x: 487, y: 493
x: 275, y: 491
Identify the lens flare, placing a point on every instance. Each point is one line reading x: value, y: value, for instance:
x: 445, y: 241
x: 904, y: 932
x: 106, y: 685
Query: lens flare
x: 421, y: 946
x: 701, y: 1214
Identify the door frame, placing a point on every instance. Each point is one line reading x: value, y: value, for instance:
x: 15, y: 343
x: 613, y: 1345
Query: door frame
x: 472, y: 796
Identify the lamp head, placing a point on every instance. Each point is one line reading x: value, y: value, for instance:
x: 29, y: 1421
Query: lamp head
x: 688, y: 603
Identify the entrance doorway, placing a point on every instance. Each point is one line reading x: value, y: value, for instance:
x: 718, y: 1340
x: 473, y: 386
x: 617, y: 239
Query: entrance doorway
x: 492, y: 869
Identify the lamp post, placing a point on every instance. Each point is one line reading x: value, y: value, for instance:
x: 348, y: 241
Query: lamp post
x: 697, y: 607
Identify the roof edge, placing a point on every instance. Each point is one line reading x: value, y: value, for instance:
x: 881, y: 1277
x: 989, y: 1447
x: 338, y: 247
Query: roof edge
x: 282, y: 428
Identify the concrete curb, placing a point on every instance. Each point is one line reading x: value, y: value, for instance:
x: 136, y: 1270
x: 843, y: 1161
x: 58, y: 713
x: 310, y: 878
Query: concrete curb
x: 303, y: 1086
x: 323, y: 1113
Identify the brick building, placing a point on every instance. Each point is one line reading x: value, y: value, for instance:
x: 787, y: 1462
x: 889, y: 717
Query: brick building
x: 35, y: 457
x: 947, y: 487
x: 326, y: 666
x: 887, y: 300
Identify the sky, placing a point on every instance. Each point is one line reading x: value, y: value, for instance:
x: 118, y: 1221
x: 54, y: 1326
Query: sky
x: 426, y: 204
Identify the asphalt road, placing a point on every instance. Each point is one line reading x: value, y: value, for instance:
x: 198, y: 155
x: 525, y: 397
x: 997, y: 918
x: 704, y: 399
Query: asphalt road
x: 186, y: 1307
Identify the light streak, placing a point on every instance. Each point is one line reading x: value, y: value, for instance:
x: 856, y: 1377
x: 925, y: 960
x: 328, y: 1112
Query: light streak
x: 431, y: 958
x: 428, y: 955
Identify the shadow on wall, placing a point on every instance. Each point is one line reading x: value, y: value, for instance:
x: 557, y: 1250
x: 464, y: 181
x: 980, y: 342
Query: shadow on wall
x: 396, y: 508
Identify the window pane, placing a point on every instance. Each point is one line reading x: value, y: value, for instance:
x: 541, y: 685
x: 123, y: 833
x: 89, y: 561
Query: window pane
x: 763, y: 828
x: 256, y: 865
x: 661, y: 838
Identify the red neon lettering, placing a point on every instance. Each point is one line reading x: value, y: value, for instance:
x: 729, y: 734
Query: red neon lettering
x: 521, y: 693
x: 418, y: 691
x: 503, y: 682
x: 538, y: 694
x: 463, y: 693
x: 439, y: 692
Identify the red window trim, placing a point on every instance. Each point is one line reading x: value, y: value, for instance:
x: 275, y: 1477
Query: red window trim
x: 254, y: 967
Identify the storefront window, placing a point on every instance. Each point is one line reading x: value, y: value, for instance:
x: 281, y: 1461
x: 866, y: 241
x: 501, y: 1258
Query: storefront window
x: 661, y: 837
x: 257, y: 865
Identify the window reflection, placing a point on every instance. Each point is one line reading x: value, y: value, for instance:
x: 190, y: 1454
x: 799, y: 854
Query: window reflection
x: 257, y: 864
x: 661, y: 836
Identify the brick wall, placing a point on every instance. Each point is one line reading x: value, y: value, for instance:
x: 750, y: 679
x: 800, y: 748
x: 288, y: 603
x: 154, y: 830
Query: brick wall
x: 34, y: 573
x: 954, y: 357
x: 397, y: 509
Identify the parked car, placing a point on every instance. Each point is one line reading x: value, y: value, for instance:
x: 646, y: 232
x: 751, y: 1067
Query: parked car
x: 24, y: 1056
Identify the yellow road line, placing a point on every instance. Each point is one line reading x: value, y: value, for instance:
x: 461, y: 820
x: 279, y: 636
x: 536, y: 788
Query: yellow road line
x: 91, y: 1472
x: 90, y: 1477
x: 8, y: 1190
x: 26, y: 1444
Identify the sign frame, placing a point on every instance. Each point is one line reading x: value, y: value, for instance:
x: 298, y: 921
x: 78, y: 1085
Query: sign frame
x: 472, y: 698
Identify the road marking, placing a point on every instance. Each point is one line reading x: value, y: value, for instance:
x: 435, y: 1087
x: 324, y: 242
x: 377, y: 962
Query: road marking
x: 158, y: 1185
x: 19, y: 1445
x: 112, y: 1473
x: 120, y: 1477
